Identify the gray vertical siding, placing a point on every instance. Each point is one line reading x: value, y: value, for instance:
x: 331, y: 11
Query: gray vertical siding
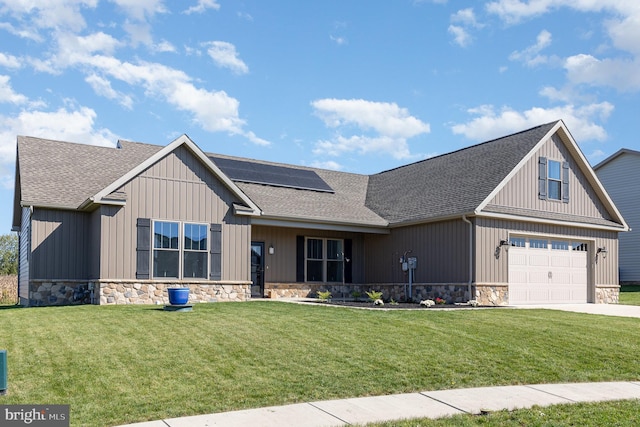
x: 620, y: 178
x: 24, y: 253
x: 281, y: 266
x: 179, y: 187
x: 495, y: 270
x: 522, y: 190
x: 442, y: 250
x: 59, y: 244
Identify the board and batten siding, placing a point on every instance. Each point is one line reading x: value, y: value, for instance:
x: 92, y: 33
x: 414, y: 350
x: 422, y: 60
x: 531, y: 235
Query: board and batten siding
x: 620, y: 178
x: 60, y: 248
x: 522, y: 190
x: 281, y: 266
x: 489, y: 232
x: 180, y: 188
x: 441, y: 249
x: 25, y: 255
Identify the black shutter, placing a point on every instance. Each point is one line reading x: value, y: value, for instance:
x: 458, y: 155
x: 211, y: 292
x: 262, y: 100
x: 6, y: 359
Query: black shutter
x: 300, y: 259
x: 143, y: 247
x: 565, y: 182
x: 348, y: 271
x: 215, y: 252
x: 542, y: 178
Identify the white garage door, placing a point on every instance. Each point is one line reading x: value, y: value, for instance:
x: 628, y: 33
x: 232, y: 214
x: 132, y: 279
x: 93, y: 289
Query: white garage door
x: 543, y: 271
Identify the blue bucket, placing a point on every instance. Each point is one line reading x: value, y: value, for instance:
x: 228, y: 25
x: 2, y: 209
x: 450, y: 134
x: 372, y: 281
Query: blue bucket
x: 178, y: 296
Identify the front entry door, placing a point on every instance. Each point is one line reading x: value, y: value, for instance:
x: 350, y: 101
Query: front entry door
x: 257, y: 269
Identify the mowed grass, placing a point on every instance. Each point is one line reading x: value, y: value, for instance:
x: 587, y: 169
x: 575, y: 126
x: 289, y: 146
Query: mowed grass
x: 123, y: 364
x: 630, y: 295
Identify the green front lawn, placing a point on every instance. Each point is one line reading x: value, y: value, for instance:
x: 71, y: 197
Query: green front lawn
x: 121, y: 364
x: 630, y: 295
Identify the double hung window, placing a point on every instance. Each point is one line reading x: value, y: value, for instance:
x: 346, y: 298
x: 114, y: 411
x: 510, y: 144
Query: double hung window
x: 554, y: 180
x: 324, y: 260
x: 180, y: 252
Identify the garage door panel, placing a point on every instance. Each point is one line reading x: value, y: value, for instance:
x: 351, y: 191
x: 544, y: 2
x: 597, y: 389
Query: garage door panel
x: 560, y: 261
x: 538, y: 259
x: 538, y: 277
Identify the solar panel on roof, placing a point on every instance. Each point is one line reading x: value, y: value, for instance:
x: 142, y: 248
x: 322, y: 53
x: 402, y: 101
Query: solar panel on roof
x: 278, y: 176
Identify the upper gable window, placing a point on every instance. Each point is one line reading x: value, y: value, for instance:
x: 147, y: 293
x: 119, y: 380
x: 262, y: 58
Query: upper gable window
x: 553, y: 180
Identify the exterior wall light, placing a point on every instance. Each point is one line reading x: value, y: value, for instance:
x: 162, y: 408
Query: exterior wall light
x: 603, y: 251
x: 503, y: 242
x: 272, y: 250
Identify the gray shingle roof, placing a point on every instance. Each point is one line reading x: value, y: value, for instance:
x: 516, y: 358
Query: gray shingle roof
x: 451, y: 184
x: 64, y: 174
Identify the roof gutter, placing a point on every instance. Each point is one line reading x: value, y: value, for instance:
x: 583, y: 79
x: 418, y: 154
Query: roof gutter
x: 464, y: 218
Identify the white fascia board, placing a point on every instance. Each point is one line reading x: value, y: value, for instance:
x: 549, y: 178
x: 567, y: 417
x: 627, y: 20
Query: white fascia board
x: 182, y: 140
x: 521, y: 218
x: 319, y: 226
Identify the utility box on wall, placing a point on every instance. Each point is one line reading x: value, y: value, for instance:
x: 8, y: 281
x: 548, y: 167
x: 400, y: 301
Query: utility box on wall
x: 3, y: 372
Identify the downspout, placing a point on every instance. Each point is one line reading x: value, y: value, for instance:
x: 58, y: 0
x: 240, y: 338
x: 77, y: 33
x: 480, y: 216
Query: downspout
x: 464, y: 218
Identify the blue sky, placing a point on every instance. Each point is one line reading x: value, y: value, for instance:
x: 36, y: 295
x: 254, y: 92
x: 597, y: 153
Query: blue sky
x: 348, y: 85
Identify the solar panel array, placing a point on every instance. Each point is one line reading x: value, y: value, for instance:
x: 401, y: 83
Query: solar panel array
x: 278, y: 176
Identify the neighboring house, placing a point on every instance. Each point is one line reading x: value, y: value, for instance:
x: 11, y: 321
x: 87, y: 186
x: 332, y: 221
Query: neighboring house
x: 620, y: 174
x: 517, y: 220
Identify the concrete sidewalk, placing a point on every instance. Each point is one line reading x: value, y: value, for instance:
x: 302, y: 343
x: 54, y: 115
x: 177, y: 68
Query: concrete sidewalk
x: 428, y: 404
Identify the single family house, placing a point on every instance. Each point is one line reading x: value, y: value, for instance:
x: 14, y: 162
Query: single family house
x: 618, y: 173
x: 521, y: 219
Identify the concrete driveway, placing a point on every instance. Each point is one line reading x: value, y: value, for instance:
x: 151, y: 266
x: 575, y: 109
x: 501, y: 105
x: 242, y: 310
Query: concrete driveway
x: 603, y: 309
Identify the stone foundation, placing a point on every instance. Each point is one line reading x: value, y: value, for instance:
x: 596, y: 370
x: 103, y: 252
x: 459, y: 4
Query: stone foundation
x: 607, y: 294
x: 59, y: 292
x: 452, y: 293
x: 67, y: 292
x: 492, y: 295
x: 153, y: 292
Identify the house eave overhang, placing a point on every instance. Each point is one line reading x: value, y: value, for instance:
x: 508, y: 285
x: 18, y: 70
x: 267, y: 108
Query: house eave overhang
x: 521, y: 218
x: 319, y: 225
x: 440, y: 218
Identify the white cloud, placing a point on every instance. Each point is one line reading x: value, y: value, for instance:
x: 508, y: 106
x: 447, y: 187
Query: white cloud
x: 460, y: 36
x: 8, y: 95
x: 224, y: 55
x: 619, y: 73
x: 214, y: 111
x: 52, y: 14
x: 202, y: 6
x: 164, y: 46
x: 102, y: 87
x: 466, y: 17
x: 10, y: 61
x: 491, y: 124
x: 531, y: 55
x: 338, y: 40
x: 329, y: 164
x: 462, y: 21
x: 391, y: 127
x: 140, y: 10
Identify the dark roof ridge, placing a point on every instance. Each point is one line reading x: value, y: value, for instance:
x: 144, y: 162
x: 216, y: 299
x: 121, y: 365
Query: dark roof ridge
x: 465, y: 148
